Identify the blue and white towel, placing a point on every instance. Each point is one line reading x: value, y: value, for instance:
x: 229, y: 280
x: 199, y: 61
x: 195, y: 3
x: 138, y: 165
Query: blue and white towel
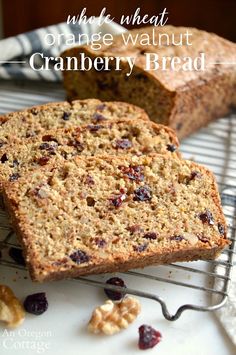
x: 16, y: 51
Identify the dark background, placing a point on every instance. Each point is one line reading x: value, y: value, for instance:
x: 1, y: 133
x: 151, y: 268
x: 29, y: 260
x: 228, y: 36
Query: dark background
x: 212, y: 15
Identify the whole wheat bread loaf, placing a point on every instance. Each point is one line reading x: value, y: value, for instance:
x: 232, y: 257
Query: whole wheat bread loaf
x: 183, y: 100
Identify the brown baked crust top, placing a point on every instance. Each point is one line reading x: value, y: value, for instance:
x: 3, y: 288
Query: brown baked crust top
x: 103, y: 214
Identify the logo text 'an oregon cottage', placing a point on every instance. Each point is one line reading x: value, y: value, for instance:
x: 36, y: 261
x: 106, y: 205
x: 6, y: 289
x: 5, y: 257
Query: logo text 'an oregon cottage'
x: 103, y: 58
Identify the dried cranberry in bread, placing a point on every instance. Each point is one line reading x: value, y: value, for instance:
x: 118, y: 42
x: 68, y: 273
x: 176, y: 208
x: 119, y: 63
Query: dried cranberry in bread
x: 105, y: 214
x: 115, y: 137
x: 183, y: 100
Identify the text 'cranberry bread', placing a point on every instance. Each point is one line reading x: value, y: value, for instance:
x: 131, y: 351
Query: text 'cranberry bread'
x: 182, y: 99
x: 114, y: 137
x: 30, y: 122
x: 102, y: 214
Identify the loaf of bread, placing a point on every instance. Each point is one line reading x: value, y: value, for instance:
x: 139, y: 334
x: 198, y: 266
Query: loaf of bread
x: 183, y: 100
x: 114, y: 137
x: 102, y: 214
x: 33, y: 121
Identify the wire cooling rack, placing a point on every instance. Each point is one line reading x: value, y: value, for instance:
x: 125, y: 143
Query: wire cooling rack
x: 215, y: 147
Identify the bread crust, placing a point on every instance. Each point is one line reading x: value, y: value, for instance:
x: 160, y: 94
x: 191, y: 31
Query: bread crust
x: 187, y: 252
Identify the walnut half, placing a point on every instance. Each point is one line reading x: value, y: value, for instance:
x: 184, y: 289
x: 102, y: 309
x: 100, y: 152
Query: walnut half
x: 110, y: 318
x: 11, y: 310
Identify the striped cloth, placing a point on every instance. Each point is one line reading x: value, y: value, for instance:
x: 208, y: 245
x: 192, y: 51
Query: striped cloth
x: 16, y: 51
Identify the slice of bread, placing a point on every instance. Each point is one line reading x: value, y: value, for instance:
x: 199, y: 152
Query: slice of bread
x: 35, y: 120
x: 104, y: 214
x: 115, y: 137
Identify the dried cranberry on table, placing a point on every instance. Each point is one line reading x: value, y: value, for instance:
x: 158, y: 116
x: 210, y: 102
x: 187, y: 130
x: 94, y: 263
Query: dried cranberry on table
x: 36, y: 304
x: 115, y: 295
x: 148, y: 337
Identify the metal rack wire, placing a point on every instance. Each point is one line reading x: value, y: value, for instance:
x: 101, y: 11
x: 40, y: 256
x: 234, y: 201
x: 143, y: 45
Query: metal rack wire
x: 215, y: 147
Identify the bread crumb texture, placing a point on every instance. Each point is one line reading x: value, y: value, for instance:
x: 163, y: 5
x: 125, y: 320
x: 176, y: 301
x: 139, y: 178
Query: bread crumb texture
x: 103, y: 214
x: 114, y: 137
x: 35, y: 120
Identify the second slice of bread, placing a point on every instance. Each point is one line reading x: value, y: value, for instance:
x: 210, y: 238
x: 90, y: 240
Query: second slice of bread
x: 115, y: 137
x: 28, y: 123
